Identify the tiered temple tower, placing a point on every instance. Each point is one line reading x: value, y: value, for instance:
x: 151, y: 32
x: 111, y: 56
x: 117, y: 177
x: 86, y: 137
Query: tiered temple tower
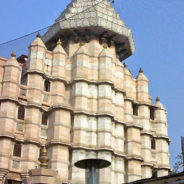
x: 73, y: 94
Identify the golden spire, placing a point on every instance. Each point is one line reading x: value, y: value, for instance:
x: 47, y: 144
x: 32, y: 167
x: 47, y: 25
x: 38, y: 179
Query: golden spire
x: 140, y: 71
x: 157, y: 99
x: 59, y: 42
x: 43, y: 158
x: 38, y: 35
x: 105, y: 45
x: 13, y: 54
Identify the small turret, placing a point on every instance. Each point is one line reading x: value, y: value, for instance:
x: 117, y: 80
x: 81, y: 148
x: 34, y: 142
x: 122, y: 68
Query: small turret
x: 37, y: 52
x: 162, y: 137
x: 142, y: 87
x: 59, y: 61
x: 11, y: 77
x: 58, y: 71
x: 10, y: 91
x: 159, y: 104
x: 141, y: 75
x: 12, y: 60
x: 38, y: 41
x: 59, y: 48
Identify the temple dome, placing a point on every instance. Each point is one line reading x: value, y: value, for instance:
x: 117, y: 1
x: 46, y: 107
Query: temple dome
x: 95, y: 15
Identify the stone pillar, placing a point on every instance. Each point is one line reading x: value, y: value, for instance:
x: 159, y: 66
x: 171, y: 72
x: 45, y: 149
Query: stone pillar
x: 129, y: 84
x: 37, y: 52
x: 162, y: 140
x: 35, y: 85
x: 146, y: 135
x: 142, y: 87
x: 59, y: 141
x: 105, y: 106
x: 133, y: 144
x: 8, y: 113
x: 58, y: 74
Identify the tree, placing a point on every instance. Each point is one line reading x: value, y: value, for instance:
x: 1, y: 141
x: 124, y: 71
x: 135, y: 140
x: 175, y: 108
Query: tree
x: 178, y: 166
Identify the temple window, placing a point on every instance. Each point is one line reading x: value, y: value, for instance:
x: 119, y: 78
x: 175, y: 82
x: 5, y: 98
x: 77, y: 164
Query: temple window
x: 21, y: 112
x: 47, y: 85
x: 17, y: 150
x: 152, y: 113
x: 153, y: 143
x: 44, y: 118
x: 135, y: 109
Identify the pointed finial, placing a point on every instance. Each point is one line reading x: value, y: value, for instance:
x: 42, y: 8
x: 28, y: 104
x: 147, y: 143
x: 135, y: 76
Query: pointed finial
x: 59, y: 42
x: 140, y: 71
x: 38, y: 35
x: 157, y: 99
x: 43, y: 158
x: 105, y: 45
x: 13, y: 54
x: 82, y: 44
x: 124, y: 64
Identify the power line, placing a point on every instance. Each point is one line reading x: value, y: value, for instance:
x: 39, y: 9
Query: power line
x: 53, y: 24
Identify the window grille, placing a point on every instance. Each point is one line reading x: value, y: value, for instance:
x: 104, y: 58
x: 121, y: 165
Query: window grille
x: 17, y: 150
x: 47, y: 85
x: 135, y: 109
x: 44, y: 118
x: 152, y: 113
x: 153, y: 143
x: 21, y: 112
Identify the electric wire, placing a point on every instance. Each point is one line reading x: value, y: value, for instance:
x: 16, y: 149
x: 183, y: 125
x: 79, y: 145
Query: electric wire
x: 78, y: 13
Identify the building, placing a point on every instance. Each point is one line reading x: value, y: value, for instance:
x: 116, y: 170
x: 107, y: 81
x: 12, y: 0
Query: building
x: 177, y: 178
x: 73, y: 94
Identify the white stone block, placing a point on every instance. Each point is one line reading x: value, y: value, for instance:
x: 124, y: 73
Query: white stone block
x: 105, y: 91
x: 104, y: 123
x: 81, y: 89
x: 80, y: 121
x: 58, y: 62
x: 93, y: 91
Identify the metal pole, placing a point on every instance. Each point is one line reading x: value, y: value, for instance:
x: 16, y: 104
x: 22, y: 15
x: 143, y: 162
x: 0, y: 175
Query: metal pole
x: 93, y: 178
x: 182, y: 148
x: 92, y: 165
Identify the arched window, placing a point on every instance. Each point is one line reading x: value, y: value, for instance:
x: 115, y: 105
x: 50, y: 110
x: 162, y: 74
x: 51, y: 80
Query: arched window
x: 153, y: 143
x: 47, y: 85
x: 17, y: 150
x: 21, y: 112
x: 44, y: 118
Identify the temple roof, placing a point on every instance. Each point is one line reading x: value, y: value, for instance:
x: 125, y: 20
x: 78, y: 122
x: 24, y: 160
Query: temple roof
x: 96, y: 15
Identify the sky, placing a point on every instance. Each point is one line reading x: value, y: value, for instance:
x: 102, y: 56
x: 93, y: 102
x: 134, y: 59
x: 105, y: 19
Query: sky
x: 158, y: 31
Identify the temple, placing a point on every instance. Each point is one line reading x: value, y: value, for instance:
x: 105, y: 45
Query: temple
x: 74, y: 95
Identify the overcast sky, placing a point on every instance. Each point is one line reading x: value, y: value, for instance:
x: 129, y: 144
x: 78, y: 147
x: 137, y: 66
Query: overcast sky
x: 158, y: 30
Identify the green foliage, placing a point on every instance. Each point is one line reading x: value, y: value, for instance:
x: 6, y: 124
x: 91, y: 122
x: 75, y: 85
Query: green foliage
x: 178, y: 166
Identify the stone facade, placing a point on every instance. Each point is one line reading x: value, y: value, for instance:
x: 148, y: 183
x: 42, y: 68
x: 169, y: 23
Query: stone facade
x: 80, y: 101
